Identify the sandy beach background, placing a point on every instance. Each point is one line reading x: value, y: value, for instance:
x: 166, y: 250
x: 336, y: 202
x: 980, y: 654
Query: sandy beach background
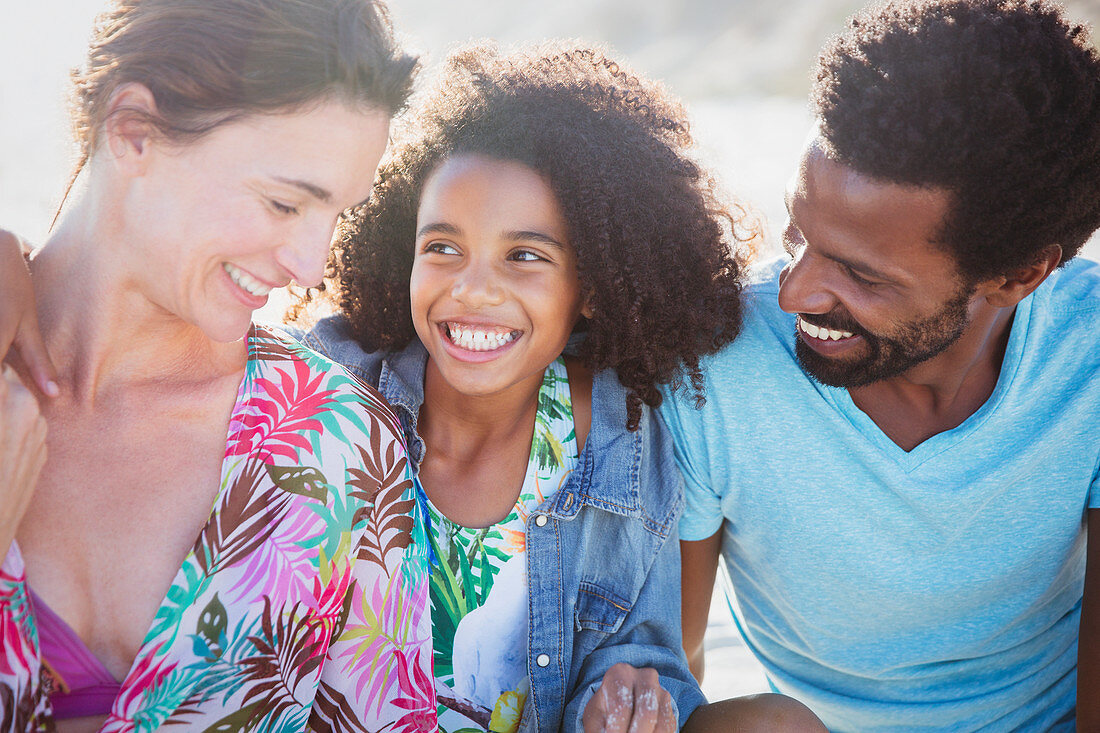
x: 741, y: 66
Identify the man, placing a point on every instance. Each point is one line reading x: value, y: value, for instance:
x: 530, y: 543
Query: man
x: 898, y: 458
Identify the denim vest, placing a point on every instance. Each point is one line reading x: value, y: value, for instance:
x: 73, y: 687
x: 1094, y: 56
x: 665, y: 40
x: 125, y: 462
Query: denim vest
x: 603, y: 559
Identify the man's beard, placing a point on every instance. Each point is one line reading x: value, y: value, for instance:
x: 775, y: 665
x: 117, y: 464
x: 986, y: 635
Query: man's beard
x: 886, y: 356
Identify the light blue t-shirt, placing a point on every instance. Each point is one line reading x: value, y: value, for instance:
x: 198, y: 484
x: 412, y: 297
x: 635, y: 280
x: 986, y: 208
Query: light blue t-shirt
x: 892, y: 591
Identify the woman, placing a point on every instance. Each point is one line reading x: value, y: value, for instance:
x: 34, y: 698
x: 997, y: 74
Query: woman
x: 162, y: 573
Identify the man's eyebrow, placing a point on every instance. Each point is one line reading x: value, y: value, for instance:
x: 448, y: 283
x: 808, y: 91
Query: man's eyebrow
x: 312, y: 189
x: 438, y: 228
x: 526, y: 235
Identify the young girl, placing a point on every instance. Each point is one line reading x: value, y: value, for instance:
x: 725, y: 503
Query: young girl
x: 538, y: 256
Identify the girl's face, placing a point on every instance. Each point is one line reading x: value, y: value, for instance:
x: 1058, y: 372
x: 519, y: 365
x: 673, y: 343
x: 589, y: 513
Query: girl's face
x: 495, y: 292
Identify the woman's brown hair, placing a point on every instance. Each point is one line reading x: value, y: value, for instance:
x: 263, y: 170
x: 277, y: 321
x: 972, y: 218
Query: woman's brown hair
x: 210, y: 61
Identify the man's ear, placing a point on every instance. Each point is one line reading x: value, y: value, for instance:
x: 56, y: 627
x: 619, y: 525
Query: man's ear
x: 1008, y: 290
x: 128, y: 127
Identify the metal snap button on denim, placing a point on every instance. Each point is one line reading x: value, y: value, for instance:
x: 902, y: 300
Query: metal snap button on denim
x: 540, y: 520
x: 542, y: 660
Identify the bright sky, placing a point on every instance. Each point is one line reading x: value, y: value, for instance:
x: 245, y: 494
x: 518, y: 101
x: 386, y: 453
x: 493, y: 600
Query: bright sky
x: 40, y: 40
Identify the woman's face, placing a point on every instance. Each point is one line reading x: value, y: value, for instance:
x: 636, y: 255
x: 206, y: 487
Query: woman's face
x: 494, y: 288
x: 249, y: 207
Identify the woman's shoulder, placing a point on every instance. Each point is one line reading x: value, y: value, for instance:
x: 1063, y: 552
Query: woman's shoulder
x: 332, y: 337
x: 312, y: 384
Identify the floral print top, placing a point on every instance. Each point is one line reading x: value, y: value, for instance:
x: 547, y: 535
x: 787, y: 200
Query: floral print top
x: 479, y: 583
x: 303, y: 603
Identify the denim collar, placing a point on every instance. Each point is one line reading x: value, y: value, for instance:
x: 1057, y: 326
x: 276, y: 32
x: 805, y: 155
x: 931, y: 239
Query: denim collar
x: 606, y: 475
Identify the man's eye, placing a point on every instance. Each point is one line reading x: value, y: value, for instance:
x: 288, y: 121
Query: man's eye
x: 860, y: 279
x: 792, y: 240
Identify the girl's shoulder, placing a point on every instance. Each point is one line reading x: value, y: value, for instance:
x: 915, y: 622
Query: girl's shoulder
x: 632, y: 473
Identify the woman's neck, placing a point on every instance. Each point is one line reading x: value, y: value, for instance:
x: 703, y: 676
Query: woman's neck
x: 100, y: 328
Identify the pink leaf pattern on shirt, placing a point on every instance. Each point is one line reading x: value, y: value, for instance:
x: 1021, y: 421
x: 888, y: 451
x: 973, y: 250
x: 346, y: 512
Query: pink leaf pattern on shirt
x: 302, y: 603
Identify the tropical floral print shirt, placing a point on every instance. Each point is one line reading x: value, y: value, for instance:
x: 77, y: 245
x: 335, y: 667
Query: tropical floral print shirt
x: 479, y: 583
x: 303, y: 603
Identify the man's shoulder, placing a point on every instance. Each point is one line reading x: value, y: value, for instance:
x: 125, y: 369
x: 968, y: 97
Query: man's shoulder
x: 1062, y: 330
x: 1074, y: 288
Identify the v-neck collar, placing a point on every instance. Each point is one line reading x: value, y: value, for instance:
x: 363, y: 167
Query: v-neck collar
x: 942, y: 442
x: 135, y: 683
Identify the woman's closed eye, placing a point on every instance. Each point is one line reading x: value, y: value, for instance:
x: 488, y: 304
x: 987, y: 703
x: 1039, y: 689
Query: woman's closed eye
x: 281, y: 208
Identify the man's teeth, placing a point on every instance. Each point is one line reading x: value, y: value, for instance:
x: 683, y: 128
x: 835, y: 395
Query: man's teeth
x: 246, y: 281
x: 473, y: 339
x: 824, y: 334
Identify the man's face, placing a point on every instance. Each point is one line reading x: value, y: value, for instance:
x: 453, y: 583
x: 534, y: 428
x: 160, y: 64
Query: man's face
x: 874, y: 294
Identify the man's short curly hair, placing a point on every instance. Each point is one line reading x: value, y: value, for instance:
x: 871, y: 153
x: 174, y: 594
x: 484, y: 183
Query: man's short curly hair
x: 995, y: 101
x: 657, y: 250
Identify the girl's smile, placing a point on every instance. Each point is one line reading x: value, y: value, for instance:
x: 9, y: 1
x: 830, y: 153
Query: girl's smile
x: 494, y: 277
x: 474, y: 342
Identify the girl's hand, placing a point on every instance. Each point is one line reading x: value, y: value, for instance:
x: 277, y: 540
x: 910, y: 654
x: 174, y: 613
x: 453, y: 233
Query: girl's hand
x: 630, y: 700
x: 18, y: 319
x: 22, y: 452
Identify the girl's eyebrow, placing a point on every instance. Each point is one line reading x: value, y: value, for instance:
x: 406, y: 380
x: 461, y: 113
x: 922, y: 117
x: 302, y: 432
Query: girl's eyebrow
x: 525, y: 235
x: 438, y: 228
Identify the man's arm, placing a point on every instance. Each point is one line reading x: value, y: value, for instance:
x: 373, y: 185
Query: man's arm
x: 1088, y: 644
x: 699, y: 567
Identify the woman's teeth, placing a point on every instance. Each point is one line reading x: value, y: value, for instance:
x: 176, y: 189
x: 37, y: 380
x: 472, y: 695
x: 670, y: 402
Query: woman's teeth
x: 475, y: 339
x: 825, y: 334
x: 246, y: 281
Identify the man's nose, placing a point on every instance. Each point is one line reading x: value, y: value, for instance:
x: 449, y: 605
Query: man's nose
x: 804, y: 284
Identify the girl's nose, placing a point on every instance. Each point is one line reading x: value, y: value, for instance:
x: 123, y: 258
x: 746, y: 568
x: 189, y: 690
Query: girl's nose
x: 478, y: 286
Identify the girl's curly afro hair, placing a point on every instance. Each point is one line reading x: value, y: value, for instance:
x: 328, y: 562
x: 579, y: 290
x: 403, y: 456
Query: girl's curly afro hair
x: 659, y: 255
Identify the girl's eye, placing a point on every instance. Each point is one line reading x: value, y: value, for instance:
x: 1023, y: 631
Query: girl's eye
x: 440, y: 248
x: 283, y: 208
x: 526, y: 255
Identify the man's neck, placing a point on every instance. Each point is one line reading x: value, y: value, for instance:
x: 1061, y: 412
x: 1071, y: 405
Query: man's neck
x: 941, y: 393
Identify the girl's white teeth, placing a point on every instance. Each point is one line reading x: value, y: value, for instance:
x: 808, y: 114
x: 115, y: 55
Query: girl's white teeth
x: 473, y: 339
x: 824, y: 334
x: 246, y: 281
